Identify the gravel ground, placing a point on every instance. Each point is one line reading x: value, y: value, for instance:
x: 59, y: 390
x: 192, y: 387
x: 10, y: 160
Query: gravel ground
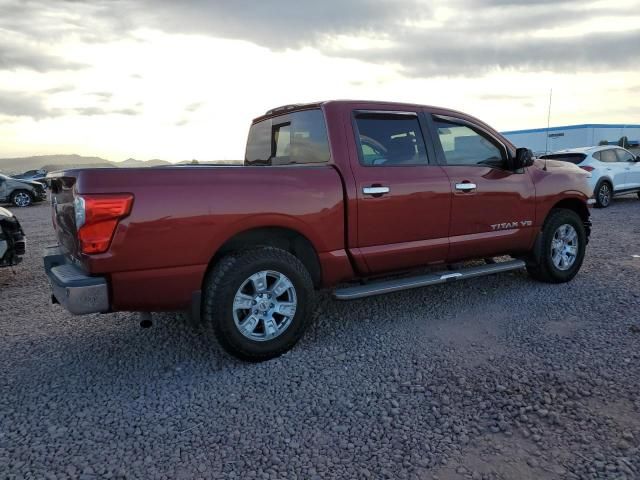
x: 494, y: 378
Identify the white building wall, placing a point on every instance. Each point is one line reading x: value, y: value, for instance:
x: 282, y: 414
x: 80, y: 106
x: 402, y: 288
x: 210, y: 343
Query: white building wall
x: 560, y: 138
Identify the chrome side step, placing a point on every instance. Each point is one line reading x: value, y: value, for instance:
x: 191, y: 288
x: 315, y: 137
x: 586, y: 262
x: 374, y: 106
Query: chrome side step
x: 388, y: 286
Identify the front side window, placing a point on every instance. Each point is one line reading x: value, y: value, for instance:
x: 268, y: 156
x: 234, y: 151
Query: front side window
x: 290, y: 139
x: 464, y: 146
x: 608, y: 156
x: 390, y: 140
x: 623, y: 155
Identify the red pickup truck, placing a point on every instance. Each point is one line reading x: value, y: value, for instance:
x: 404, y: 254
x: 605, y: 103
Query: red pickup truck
x: 371, y: 197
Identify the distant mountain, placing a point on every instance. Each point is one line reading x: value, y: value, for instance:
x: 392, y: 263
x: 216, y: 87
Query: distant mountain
x: 133, y: 163
x: 50, y: 163
x: 55, y: 162
x: 61, y: 162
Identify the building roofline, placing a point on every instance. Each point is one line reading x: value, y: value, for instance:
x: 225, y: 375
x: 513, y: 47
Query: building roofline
x: 574, y: 127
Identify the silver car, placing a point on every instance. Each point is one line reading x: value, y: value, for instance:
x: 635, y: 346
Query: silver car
x: 614, y: 170
x: 21, y: 193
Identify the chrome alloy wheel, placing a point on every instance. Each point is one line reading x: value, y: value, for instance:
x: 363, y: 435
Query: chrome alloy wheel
x: 564, y: 247
x: 264, y: 305
x: 604, y: 195
x: 22, y: 199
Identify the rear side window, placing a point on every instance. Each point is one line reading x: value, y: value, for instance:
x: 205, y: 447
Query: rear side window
x: 295, y: 138
x: 608, y: 156
x: 574, y: 158
x: 390, y: 140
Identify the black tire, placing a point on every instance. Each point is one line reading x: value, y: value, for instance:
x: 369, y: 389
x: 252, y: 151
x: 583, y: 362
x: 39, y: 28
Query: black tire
x: 226, y: 278
x: 638, y: 194
x: 21, y: 198
x: 604, y: 194
x: 541, y: 266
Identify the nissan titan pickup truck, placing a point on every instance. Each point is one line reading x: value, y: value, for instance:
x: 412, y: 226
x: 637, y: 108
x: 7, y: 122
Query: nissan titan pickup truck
x: 364, y: 198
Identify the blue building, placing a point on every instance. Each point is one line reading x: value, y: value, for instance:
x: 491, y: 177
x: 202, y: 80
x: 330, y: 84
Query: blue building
x: 543, y: 140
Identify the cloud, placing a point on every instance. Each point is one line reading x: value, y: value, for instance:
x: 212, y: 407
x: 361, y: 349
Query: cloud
x: 450, y: 53
x: 475, y: 37
x: 17, y: 104
x: 15, y: 56
x: 93, y: 111
x: 193, y: 107
x: 20, y: 104
x: 102, y: 96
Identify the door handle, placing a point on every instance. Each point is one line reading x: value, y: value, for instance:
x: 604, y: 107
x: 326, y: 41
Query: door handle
x: 377, y: 190
x: 466, y: 187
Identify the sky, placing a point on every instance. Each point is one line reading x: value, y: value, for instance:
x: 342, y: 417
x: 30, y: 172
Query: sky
x: 182, y: 80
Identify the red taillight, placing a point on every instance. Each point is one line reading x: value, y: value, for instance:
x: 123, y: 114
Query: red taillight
x: 588, y: 168
x: 97, y: 217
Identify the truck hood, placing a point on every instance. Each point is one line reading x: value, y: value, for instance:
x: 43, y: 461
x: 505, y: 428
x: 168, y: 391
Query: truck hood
x: 557, y: 166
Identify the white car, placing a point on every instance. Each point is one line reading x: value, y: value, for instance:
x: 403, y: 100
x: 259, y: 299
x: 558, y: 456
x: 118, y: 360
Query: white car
x: 614, y: 170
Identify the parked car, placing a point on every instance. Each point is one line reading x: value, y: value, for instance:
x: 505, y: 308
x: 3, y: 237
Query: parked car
x: 332, y: 192
x: 39, y: 175
x: 12, y: 239
x: 614, y: 170
x: 21, y: 193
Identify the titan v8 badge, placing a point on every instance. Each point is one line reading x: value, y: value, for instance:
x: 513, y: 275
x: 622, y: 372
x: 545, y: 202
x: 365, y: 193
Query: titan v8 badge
x: 511, y: 225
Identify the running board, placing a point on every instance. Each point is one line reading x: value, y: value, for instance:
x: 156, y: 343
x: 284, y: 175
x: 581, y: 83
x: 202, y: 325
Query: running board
x: 388, y: 286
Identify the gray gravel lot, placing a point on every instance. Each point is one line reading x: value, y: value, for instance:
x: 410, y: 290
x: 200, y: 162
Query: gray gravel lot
x: 494, y: 378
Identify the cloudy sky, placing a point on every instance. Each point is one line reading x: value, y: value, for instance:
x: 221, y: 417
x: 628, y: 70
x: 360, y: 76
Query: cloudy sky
x: 182, y: 80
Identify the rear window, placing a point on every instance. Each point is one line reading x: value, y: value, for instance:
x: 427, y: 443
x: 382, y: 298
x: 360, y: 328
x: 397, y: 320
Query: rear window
x: 566, y: 157
x: 292, y: 139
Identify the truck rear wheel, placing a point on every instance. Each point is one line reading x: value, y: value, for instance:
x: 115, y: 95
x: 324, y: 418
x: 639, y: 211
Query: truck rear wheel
x: 258, y: 302
x: 563, y: 242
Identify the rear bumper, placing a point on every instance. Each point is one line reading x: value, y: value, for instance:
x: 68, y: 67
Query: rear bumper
x: 72, y: 288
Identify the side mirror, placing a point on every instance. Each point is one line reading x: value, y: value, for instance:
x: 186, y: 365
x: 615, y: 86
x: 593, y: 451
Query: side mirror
x: 524, y: 158
x: 637, y: 159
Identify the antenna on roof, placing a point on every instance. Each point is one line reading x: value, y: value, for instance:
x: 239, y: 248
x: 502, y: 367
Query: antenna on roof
x: 546, y: 141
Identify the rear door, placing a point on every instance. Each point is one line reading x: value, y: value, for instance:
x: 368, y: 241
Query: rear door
x: 403, y: 195
x: 614, y: 169
x: 631, y: 168
x: 493, y: 207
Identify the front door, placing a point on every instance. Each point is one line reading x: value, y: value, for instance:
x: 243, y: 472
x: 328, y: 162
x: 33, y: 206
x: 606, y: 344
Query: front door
x: 403, y: 196
x: 614, y: 169
x: 627, y: 161
x: 493, y: 207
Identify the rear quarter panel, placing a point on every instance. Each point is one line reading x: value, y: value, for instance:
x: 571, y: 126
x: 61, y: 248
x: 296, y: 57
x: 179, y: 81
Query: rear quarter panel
x: 181, y: 216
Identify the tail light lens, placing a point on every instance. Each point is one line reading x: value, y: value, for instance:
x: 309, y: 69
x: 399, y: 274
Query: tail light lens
x: 588, y: 168
x: 97, y: 217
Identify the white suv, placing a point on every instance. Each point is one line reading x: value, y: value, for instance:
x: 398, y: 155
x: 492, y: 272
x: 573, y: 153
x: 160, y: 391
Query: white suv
x: 614, y: 170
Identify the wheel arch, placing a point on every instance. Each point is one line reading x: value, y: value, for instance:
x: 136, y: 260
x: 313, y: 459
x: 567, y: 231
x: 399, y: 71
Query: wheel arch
x: 283, y: 238
x: 575, y: 204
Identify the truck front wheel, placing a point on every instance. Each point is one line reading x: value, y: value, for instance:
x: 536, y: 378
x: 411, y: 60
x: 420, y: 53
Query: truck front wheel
x: 561, y: 249
x: 258, y: 302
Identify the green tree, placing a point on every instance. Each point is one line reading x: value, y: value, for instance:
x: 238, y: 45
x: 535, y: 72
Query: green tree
x: 623, y: 142
x: 603, y: 142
